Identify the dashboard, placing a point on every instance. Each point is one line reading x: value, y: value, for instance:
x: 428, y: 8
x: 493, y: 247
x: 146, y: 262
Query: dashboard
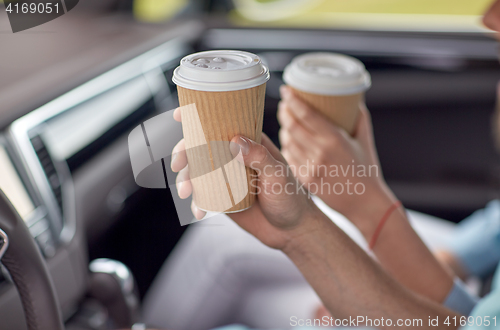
x: 43, y: 151
x: 11, y: 185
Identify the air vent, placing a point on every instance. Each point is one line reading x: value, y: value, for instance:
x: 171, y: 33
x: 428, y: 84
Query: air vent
x: 49, y: 169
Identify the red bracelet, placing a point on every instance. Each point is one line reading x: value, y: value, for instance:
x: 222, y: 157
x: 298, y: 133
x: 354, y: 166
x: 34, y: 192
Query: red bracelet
x: 382, y: 222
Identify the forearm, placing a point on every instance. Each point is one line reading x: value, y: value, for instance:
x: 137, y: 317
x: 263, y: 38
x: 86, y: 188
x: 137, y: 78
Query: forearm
x: 403, y: 255
x: 349, y: 282
x: 398, y: 248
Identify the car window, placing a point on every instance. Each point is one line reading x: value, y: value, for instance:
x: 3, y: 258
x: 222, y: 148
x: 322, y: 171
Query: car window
x: 425, y: 15
x: 445, y: 15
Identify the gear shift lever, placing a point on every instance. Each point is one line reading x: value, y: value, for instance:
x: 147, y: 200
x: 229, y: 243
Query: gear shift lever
x: 113, y: 285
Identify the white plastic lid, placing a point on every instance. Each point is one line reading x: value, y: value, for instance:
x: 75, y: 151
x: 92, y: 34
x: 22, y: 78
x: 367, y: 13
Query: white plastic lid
x: 327, y: 74
x: 221, y: 71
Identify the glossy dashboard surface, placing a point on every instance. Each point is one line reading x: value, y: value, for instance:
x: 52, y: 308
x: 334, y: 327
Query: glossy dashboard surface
x: 44, y: 62
x: 67, y: 74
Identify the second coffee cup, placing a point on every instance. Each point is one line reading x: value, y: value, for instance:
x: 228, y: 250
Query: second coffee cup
x: 332, y: 84
x: 221, y: 95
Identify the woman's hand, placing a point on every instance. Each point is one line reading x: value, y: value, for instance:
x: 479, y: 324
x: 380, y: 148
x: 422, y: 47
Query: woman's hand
x: 308, y: 138
x: 343, y: 171
x: 282, y: 210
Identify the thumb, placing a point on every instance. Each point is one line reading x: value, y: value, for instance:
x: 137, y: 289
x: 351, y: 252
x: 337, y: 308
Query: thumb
x: 253, y: 154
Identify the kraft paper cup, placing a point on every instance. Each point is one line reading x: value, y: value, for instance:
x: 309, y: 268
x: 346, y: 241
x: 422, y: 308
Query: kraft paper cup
x: 221, y: 95
x: 332, y: 84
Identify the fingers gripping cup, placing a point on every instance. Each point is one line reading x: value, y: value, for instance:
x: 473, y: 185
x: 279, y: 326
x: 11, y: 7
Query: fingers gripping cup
x: 333, y: 84
x: 221, y: 95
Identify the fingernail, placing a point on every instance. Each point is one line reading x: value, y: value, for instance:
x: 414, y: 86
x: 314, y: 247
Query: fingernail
x: 234, y: 148
x: 179, y: 187
x: 244, y: 145
x: 194, y: 211
x: 198, y: 214
x: 285, y: 92
x: 174, y: 156
x: 281, y: 105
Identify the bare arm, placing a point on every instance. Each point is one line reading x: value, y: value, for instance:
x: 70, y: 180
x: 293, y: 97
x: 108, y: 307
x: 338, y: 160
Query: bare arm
x: 350, y: 283
x: 308, y: 138
x: 403, y: 255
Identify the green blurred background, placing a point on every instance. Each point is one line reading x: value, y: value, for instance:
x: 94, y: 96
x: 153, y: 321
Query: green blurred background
x: 452, y: 15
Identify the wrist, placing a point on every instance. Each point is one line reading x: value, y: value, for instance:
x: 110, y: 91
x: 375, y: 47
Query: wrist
x: 367, y: 215
x: 300, y: 237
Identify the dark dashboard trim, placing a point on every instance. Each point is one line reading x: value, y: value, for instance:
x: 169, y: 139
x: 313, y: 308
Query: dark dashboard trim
x: 372, y: 43
x: 22, y: 129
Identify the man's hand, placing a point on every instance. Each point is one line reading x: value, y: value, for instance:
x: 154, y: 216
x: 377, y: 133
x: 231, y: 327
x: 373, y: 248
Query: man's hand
x: 347, y: 280
x: 281, y: 208
x: 342, y: 170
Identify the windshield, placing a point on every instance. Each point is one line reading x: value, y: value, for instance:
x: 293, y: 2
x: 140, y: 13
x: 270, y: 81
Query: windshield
x: 395, y: 15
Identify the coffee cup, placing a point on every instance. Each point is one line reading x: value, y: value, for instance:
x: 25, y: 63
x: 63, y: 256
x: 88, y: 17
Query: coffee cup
x: 330, y: 83
x: 221, y: 95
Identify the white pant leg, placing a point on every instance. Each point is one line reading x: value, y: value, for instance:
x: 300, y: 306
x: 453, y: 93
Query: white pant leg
x: 433, y: 231
x: 220, y: 274
x: 271, y: 307
x: 213, y: 267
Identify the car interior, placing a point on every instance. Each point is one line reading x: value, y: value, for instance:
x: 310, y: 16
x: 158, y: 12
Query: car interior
x: 72, y: 90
